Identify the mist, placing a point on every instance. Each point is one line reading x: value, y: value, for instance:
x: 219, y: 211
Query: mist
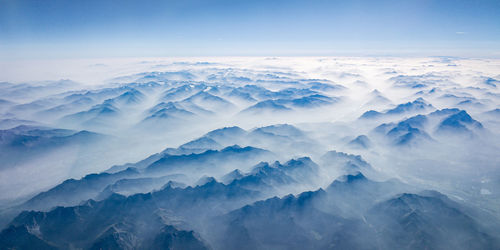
x: 251, y: 152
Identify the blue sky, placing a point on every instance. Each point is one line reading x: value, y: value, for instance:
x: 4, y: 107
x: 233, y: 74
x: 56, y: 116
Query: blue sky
x: 99, y: 28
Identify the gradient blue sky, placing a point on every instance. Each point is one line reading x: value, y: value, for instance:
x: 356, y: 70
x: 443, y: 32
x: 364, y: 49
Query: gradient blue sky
x: 99, y: 28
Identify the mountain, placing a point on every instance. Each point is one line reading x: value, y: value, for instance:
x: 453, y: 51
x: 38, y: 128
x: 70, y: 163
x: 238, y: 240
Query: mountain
x: 72, y: 192
x: 31, y: 107
x: 287, y: 223
x: 35, y: 90
x: 460, y: 122
x: 225, y: 216
x: 416, y: 81
x: 265, y: 177
x: 182, y: 92
x: 491, y: 82
x: 320, y: 86
x: 285, y: 130
x: 471, y: 103
x: 24, y: 143
x: 292, y: 93
x: 210, y: 161
x: 370, y: 114
x: 411, y: 221
x: 405, y: 134
x: 409, y: 132
x: 171, y: 238
x: 253, y: 153
x: 444, y: 122
x: 95, y: 115
x: 309, y: 218
x: 352, y: 195
x: 361, y: 142
x: 417, y: 106
x: 14, y: 122
x: 257, y: 92
x: 227, y: 135
x: 209, y: 102
x: 140, y: 185
x: 231, y: 176
x: 6, y: 105
x: 241, y: 95
x: 334, y: 161
x: 347, y: 208
x: 141, y: 221
x: 130, y: 97
x: 21, y: 238
x: 265, y: 137
x: 493, y: 113
x: 73, y: 106
x: 310, y: 101
x: 145, y: 87
x: 168, y: 110
x: 203, y: 143
x: 266, y: 106
x: 98, y: 95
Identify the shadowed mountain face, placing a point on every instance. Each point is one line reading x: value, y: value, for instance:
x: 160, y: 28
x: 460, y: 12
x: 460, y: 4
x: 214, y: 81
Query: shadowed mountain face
x: 459, y: 122
x: 255, y: 153
x: 135, y: 221
x: 72, y: 192
x: 315, y: 219
x: 413, y: 221
x: 209, y: 215
x: 20, y: 238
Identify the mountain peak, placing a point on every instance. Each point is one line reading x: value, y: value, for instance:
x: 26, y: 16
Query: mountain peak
x: 460, y: 121
x: 353, y: 177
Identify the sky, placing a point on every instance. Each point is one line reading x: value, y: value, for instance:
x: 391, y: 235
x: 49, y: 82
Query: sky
x: 125, y: 28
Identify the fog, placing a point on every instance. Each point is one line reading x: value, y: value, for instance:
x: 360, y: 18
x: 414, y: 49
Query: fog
x: 262, y: 153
